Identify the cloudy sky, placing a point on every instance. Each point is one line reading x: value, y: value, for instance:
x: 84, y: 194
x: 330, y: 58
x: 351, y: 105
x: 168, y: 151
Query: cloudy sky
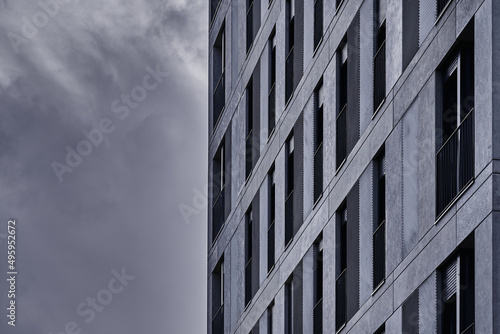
x: 102, y: 141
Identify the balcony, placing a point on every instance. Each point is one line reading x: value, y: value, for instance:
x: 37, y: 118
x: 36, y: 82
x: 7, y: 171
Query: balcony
x: 455, y: 164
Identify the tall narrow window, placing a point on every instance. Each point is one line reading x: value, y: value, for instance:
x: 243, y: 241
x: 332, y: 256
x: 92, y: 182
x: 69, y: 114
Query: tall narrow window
x: 318, y: 142
x: 289, y: 306
x: 249, y: 24
x: 248, y: 255
x: 341, y: 268
x: 249, y: 129
x: 410, y: 314
x: 379, y: 58
x: 318, y: 22
x: 379, y: 220
x: 289, y: 47
x: 214, y: 5
x: 457, y: 293
x: 381, y: 330
x: 272, y: 84
x: 218, y: 298
x: 289, y: 187
x: 455, y: 127
x: 318, y: 288
x: 270, y: 312
x: 341, y: 122
x: 411, y: 10
x: 218, y: 186
x: 218, y: 73
x: 272, y: 218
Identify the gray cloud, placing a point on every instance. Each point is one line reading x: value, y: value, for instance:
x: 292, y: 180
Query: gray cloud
x: 119, y: 207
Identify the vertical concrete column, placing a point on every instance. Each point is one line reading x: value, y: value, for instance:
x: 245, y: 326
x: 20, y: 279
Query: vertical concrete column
x: 308, y: 32
x: 279, y: 312
x: 238, y: 146
x: 366, y: 64
x: 237, y: 274
x: 280, y: 62
x: 329, y: 277
x: 227, y: 289
x: 233, y: 47
x: 365, y: 234
x: 329, y: 112
x: 394, y: 40
x: 486, y: 253
x: 308, y: 292
x: 393, y: 324
x: 427, y: 309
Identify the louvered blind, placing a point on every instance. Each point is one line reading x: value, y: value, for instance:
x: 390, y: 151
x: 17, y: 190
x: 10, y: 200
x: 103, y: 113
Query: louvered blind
x: 450, y: 281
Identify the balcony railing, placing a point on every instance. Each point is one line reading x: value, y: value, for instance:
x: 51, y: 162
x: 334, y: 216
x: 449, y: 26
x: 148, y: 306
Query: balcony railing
x: 219, y: 98
x: 379, y: 77
x: 379, y: 255
x: 289, y: 218
x: 318, y: 172
x: 249, y: 154
x: 341, y: 136
x: 218, y: 321
x: 318, y: 317
x: 340, y: 301
x: 455, y: 163
x: 289, y: 76
x: 218, y: 215
x: 272, y: 108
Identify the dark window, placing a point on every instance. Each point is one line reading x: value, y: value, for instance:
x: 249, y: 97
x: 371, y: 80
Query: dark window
x: 441, y: 5
x: 219, y: 65
x: 218, y: 187
x: 379, y: 58
x: 289, y: 47
x: 272, y: 84
x: 250, y: 36
x: 318, y: 22
x: 270, y: 311
x: 318, y: 142
x: 272, y: 217
x: 410, y: 314
x: 455, y: 127
x: 381, y: 330
x: 341, y: 122
x: 338, y: 3
x: 341, y: 268
x: 379, y: 220
x: 318, y: 288
x: 410, y: 30
x: 249, y: 129
x: 214, y: 5
x: 289, y: 307
x: 248, y: 255
x: 457, y: 292
x: 289, y: 187
x: 218, y: 298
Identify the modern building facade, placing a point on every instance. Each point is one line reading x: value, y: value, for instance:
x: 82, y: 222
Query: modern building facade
x: 353, y: 166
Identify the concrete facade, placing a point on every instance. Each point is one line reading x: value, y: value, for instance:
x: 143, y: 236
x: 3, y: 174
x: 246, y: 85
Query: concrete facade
x: 418, y: 240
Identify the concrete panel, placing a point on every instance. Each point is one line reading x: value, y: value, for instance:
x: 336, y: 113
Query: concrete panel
x: 329, y: 112
x: 308, y: 33
x: 308, y: 292
x: 237, y: 275
x: 308, y: 142
x: 410, y: 178
x: 486, y: 296
x: 393, y: 324
x: 233, y: 47
x: 366, y: 64
x: 329, y: 277
x: 465, y: 10
x: 280, y: 65
x: 427, y: 17
x: 394, y: 203
x: 394, y: 42
x: 365, y: 234
x: 427, y: 305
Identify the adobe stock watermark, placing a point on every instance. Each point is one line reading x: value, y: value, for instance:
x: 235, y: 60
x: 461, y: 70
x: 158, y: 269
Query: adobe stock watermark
x: 121, y: 108
x: 89, y: 308
x: 30, y: 27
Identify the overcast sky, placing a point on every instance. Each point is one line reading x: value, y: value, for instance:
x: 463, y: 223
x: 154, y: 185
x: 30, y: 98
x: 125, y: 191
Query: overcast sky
x: 130, y: 74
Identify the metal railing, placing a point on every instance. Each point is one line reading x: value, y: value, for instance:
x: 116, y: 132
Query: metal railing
x: 341, y: 130
x: 340, y: 301
x: 379, y: 255
x: 219, y: 98
x: 455, y: 163
x: 379, y: 77
x: 218, y: 215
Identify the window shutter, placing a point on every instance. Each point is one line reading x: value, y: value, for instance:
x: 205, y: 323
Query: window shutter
x: 450, y: 280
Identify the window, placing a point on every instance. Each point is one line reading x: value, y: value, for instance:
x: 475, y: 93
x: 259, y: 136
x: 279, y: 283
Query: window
x: 318, y: 288
x: 381, y: 330
x: 248, y: 256
x: 318, y: 22
x: 294, y: 301
x: 457, y: 293
x: 249, y: 24
x: 289, y: 187
x: 249, y: 129
x: 218, y: 72
x: 338, y: 3
x: 218, y: 186
x: 271, y: 223
x: 455, y: 127
x: 318, y: 142
x: 214, y: 5
x: 441, y: 6
x: 341, y: 122
x: 218, y: 298
x: 272, y: 84
x: 379, y: 58
x: 289, y: 307
x: 270, y: 311
x: 341, y: 269
x: 410, y: 314
x: 289, y: 46
x: 379, y: 220
x: 410, y: 30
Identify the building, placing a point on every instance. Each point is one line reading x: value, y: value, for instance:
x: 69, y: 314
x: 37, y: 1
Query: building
x: 353, y: 160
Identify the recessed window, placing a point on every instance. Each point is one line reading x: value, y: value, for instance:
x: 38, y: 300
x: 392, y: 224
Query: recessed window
x: 379, y: 58
x: 219, y: 175
x: 248, y: 255
x: 272, y: 217
x: 318, y: 22
x: 341, y: 268
x: 272, y: 84
x: 289, y: 188
x: 318, y: 142
x: 379, y: 220
x: 410, y: 314
x: 218, y: 298
x: 318, y: 288
x: 218, y: 73
x: 341, y: 121
x: 289, y: 47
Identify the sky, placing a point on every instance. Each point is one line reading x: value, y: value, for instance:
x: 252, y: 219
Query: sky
x: 103, y: 140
